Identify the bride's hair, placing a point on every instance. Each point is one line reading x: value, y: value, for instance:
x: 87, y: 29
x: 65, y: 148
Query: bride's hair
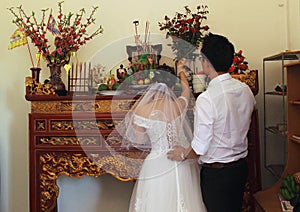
x: 165, y: 74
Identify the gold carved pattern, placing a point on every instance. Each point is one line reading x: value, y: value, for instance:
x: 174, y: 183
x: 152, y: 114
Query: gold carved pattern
x: 114, y: 141
x: 40, y: 125
x: 54, y: 164
x: 113, y: 105
x: 249, y: 79
x: 66, y: 106
x: 34, y: 88
x: 125, y: 106
x: 82, y: 106
x: 44, y: 107
x: 69, y: 140
x: 103, y: 106
x: 70, y: 125
x: 59, y: 107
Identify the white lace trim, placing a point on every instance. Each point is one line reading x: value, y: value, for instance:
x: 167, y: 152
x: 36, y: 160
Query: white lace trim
x: 171, y: 134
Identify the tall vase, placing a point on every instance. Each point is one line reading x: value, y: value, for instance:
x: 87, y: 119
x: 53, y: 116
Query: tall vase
x: 55, y: 79
x: 35, y: 73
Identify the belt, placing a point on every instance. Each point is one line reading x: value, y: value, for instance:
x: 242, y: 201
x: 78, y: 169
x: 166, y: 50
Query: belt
x: 218, y: 165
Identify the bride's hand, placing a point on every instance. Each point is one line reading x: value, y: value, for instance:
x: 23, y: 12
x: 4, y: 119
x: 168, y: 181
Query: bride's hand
x: 181, y: 66
x: 177, y: 153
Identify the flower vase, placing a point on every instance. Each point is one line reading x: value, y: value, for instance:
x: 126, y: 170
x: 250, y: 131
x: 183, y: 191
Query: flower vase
x: 55, y: 79
x: 199, y: 83
x: 35, y: 74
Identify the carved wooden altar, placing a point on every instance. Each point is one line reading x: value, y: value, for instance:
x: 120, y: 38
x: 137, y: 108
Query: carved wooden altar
x: 67, y: 137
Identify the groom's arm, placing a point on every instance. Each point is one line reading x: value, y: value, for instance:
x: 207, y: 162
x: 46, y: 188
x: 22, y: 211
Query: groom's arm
x: 190, y: 153
x: 179, y: 153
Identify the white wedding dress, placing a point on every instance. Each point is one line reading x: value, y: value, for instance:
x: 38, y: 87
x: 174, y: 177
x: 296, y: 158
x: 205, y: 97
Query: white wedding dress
x: 164, y: 185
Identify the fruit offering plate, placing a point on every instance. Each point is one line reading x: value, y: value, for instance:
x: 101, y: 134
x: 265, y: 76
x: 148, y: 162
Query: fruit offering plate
x: 110, y: 92
x: 138, y: 87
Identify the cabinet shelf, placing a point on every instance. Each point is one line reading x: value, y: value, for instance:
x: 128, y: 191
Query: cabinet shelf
x: 276, y: 169
x: 276, y: 93
x: 295, y: 102
x: 287, y: 55
x: 276, y: 107
x: 276, y: 131
x: 295, y: 139
x: 267, y: 199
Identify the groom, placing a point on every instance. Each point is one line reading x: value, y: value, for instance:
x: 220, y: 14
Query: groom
x: 221, y: 122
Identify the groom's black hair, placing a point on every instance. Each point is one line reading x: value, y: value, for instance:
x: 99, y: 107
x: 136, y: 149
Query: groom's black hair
x: 219, y: 51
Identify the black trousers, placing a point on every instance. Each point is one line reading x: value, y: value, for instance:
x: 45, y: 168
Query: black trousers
x: 223, y: 188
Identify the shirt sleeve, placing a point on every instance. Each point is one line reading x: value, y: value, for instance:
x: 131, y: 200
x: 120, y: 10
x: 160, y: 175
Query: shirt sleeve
x: 203, y: 125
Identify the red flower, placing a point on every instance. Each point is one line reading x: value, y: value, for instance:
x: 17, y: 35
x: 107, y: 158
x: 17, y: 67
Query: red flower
x: 231, y: 69
x: 239, y: 64
x: 182, y: 29
x: 242, y: 67
x: 190, y: 20
x: 241, y: 59
x: 193, y: 30
x: 206, y: 27
x: 183, y: 22
x: 59, y: 51
x: 235, y: 59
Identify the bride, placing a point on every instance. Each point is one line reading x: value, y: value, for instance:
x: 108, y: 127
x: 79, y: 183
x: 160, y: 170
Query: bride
x: 155, y: 124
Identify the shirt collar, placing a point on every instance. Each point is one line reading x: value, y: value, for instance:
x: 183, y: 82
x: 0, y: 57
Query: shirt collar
x: 219, y: 78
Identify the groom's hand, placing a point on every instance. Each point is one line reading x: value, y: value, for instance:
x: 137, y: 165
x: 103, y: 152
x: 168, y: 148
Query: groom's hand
x: 177, y: 153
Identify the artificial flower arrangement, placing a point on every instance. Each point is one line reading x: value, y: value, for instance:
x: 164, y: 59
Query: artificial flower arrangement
x: 70, y: 32
x: 187, y: 30
x: 239, y: 65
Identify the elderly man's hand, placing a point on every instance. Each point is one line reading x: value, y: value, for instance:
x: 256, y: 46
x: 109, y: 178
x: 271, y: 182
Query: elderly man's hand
x: 177, y: 153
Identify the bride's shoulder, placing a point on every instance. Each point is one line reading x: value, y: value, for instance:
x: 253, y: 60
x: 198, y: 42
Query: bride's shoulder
x: 140, y: 111
x: 145, y: 110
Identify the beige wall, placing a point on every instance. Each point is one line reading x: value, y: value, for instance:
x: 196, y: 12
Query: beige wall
x: 259, y: 28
